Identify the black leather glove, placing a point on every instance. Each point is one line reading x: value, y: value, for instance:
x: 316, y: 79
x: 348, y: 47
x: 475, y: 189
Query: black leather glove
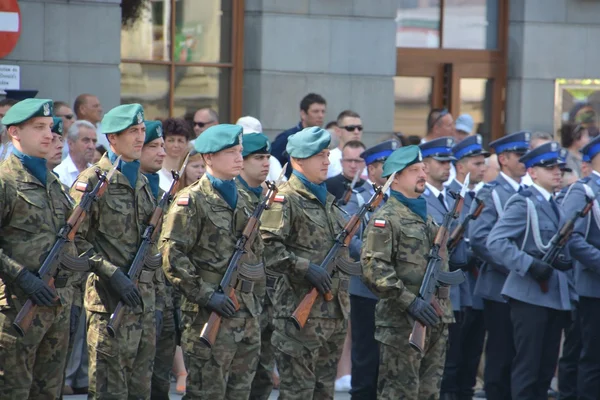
x: 423, y: 312
x: 221, y: 304
x: 36, y: 289
x: 74, y: 321
x: 539, y: 270
x: 125, y: 288
x: 158, y: 319
x: 319, y: 278
x: 562, y: 264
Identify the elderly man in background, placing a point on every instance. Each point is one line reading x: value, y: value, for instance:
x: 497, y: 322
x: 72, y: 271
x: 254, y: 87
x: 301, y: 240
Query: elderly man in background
x: 82, y: 140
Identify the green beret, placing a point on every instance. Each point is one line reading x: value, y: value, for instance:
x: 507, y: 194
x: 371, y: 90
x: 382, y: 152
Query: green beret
x: 256, y: 143
x: 400, y: 159
x: 57, y: 126
x: 217, y: 138
x: 122, y: 117
x: 154, y: 130
x: 308, y: 142
x: 27, y: 109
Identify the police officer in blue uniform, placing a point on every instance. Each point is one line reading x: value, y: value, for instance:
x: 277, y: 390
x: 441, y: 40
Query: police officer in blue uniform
x: 499, y: 349
x: 470, y: 159
x: 365, y: 350
x: 585, y: 249
x: 437, y: 157
x: 518, y: 241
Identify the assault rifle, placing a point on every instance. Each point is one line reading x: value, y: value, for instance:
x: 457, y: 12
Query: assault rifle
x: 459, y: 232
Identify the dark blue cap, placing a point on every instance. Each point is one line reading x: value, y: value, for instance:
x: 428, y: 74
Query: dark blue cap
x: 440, y: 149
x: 380, y: 151
x: 469, y: 147
x: 591, y: 149
x: 546, y: 155
x: 514, y: 142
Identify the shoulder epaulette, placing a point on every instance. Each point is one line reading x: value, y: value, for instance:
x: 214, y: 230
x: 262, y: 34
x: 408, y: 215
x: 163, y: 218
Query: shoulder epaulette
x: 526, y: 193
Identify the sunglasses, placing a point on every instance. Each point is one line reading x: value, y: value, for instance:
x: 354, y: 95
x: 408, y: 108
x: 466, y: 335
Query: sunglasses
x: 352, y: 128
x: 67, y: 116
x: 441, y: 115
x: 202, y: 124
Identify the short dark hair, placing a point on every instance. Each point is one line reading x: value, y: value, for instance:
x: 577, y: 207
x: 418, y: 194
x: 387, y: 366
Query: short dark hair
x: 354, y: 144
x: 8, y: 102
x: 331, y: 124
x: 570, y: 133
x: 413, y: 139
x: 177, y: 126
x: 434, y: 117
x: 346, y: 113
x: 100, y: 149
x: 311, y: 99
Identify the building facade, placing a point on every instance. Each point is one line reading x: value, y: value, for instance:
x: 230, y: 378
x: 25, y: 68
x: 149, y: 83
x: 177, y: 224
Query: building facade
x: 511, y: 64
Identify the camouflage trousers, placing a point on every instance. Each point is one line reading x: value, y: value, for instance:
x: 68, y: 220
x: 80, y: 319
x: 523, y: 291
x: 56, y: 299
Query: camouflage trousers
x: 262, y: 385
x: 307, y: 359
x: 163, y: 360
x: 121, y: 367
x: 32, y: 366
x: 226, y: 370
x: 403, y: 372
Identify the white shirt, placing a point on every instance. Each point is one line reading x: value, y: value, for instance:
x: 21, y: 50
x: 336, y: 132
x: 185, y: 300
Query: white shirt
x: 526, y: 180
x: 275, y: 169
x: 335, y: 162
x: 6, y: 150
x: 437, y: 193
x: 67, y: 171
x: 165, y: 179
x: 515, y: 185
x: 547, y: 195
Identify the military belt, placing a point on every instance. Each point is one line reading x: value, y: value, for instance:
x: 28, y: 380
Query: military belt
x: 146, y: 276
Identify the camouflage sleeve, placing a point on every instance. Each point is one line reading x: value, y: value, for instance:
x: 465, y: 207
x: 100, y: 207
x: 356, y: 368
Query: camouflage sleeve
x: 160, y: 292
x: 181, y: 228
x: 275, y: 229
x: 9, y: 268
x: 377, y: 258
x: 100, y: 266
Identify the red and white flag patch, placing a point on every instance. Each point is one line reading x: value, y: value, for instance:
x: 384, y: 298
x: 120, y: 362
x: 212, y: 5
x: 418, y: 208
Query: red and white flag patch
x: 279, y: 198
x: 81, y: 186
x: 379, y: 223
x: 183, y: 200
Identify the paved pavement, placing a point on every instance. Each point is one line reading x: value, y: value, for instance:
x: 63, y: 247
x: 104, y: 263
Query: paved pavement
x: 173, y: 396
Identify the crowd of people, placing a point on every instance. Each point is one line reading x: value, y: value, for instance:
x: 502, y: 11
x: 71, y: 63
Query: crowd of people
x: 513, y: 309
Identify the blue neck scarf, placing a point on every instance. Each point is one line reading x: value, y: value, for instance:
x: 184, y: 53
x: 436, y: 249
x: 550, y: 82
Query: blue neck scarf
x: 256, y: 190
x: 153, y: 180
x: 226, y: 189
x: 418, y: 205
x: 129, y: 169
x: 320, y: 191
x: 35, y: 165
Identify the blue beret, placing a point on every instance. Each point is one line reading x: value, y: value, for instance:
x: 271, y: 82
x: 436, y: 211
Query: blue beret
x: 400, y: 159
x: 379, y: 152
x: 122, y: 117
x: 308, y: 142
x: 154, y: 130
x: 546, y: 155
x: 217, y: 138
x: 469, y: 147
x: 440, y: 149
x: 591, y: 149
x: 256, y: 143
x: 518, y: 141
x: 57, y: 125
x: 27, y: 109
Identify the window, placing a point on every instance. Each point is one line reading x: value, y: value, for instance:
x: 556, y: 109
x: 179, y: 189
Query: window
x: 182, y: 55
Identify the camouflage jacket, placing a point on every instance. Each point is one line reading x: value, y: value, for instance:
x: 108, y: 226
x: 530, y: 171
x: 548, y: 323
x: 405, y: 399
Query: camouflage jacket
x: 112, y: 232
x: 298, y: 230
x: 197, y: 241
x: 394, y: 258
x: 31, y: 216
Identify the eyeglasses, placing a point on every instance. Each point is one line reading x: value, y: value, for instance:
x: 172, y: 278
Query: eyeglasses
x: 352, y: 128
x: 202, y: 124
x: 441, y: 115
x: 67, y: 116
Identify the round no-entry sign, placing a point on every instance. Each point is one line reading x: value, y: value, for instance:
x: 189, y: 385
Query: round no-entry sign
x: 10, y: 26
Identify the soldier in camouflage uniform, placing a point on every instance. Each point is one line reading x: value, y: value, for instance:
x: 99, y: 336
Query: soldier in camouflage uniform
x: 394, y: 257
x: 120, y: 367
x: 198, y: 238
x: 34, y: 207
x: 249, y: 183
x: 298, y: 231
